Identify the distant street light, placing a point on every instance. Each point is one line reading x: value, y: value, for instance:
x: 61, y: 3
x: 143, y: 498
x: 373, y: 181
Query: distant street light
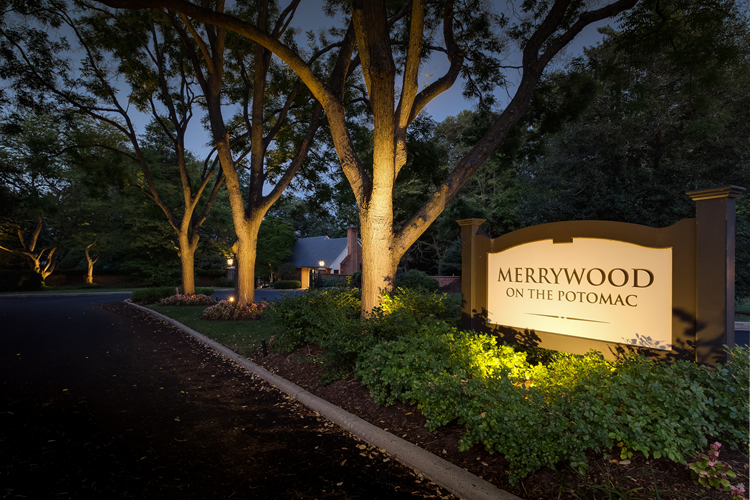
x: 230, y: 269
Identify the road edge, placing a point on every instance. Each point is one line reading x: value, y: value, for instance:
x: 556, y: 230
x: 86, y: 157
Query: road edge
x: 438, y: 470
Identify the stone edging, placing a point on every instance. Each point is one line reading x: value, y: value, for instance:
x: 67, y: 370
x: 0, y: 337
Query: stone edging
x: 455, y: 479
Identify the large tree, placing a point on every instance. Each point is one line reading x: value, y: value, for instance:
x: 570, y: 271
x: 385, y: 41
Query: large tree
x: 387, y: 38
x: 265, y: 145
x: 111, y: 50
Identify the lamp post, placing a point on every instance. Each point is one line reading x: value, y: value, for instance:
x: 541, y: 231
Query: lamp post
x: 319, y: 272
x: 230, y: 269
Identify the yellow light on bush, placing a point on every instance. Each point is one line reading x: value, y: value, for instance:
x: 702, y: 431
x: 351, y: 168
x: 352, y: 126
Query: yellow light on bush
x: 231, y: 299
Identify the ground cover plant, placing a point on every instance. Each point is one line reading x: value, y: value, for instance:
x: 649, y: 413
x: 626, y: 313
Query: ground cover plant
x: 229, y: 310
x: 155, y: 294
x: 535, y: 414
x: 188, y: 300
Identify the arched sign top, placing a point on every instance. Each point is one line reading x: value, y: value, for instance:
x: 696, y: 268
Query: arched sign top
x: 566, y: 232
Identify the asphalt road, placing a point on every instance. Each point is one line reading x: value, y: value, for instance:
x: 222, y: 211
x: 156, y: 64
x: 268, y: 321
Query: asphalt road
x: 110, y: 403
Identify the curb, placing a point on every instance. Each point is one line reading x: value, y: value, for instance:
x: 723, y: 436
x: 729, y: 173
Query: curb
x: 441, y: 472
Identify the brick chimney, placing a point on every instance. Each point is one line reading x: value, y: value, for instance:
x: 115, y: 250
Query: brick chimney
x: 353, y: 261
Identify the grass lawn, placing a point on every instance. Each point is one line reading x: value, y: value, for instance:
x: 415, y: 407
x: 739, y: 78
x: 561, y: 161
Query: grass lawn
x: 243, y: 337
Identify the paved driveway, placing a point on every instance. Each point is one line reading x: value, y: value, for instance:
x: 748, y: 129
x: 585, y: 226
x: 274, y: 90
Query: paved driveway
x: 110, y: 403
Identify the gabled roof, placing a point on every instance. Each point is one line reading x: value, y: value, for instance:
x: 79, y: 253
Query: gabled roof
x: 307, y: 252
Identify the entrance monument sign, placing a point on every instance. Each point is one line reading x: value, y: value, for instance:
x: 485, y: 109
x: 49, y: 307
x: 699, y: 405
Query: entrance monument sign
x: 610, y: 286
x: 593, y: 288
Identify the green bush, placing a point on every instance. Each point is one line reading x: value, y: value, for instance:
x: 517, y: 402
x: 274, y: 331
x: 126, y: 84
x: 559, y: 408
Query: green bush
x: 286, y: 284
x: 418, y: 280
x: 309, y: 317
x: 422, y: 305
x: 330, y: 318
x: 333, y: 282
x: 223, y: 282
x: 539, y: 416
x: 154, y: 295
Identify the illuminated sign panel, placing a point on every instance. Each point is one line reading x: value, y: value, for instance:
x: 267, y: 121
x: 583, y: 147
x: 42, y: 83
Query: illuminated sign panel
x: 592, y: 288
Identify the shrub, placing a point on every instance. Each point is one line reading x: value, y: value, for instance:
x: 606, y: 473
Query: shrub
x: 187, y: 300
x: 233, y: 311
x: 224, y: 282
x: 334, y: 282
x: 421, y: 305
x: 417, y: 280
x: 286, y: 284
x: 309, y: 317
x: 539, y: 416
x: 154, y: 295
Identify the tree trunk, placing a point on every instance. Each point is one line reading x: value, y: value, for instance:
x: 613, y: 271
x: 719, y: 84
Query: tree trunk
x: 187, y: 262
x: 90, y: 264
x: 378, y: 259
x: 245, y: 258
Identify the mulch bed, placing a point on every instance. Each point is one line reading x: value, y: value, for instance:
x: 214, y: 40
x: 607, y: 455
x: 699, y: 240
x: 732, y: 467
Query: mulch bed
x: 606, y: 478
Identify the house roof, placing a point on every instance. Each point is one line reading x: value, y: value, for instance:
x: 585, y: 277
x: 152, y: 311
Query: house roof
x: 307, y: 252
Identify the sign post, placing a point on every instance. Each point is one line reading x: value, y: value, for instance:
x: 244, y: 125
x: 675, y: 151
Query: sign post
x: 715, y: 214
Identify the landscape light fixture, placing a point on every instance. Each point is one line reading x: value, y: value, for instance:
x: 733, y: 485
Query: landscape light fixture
x: 231, y: 299
x: 230, y: 262
x: 321, y: 263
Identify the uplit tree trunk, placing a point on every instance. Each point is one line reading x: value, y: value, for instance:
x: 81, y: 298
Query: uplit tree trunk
x: 378, y: 266
x: 186, y: 250
x: 246, y: 253
x: 43, y: 266
x: 90, y: 264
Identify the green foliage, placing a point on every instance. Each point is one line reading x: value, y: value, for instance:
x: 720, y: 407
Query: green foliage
x: 286, y: 284
x: 420, y: 305
x: 538, y: 416
x: 275, y: 241
x: 310, y: 316
x: 417, y: 280
x: 224, y: 282
x: 154, y: 295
